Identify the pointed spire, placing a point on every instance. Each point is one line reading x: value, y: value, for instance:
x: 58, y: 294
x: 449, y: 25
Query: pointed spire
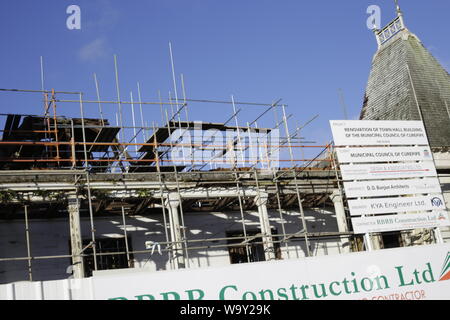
x: 400, y: 14
x: 395, y: 26
x: 399, y: 11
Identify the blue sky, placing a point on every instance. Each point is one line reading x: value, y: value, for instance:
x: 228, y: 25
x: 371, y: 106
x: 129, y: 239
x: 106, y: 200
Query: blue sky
x: 258, y: 50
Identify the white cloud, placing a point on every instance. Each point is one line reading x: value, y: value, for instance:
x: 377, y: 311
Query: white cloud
x: 94, y: 50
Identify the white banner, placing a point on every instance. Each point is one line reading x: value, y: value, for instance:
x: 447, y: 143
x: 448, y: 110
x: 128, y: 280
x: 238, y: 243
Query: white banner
x: 397, y: 204
x: 399, y: 222
x: 388, y: 171
x: 415, y: 273
x: 381, y: 188
x: 376, y: 133
x: 385, y: 154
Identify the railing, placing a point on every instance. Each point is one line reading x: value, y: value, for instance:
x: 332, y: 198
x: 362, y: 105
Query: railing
x: 390, y: 30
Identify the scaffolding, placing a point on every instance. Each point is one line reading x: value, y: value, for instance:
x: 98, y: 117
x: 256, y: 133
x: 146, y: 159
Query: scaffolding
x: 172, y: 167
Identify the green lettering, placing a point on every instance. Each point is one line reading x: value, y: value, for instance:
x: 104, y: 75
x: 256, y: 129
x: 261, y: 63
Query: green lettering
x: 379, y: 287
x: 303, y: 288
x: 283, y: 295
x: 324, y: 292
x: 244, y: 296
x: 222, y: 291
x: 363, y: 285
x: 416, y: 275
x: 355, y: 285
x: 262, y: 293
x: 166, y: 295
x: 402, y: 279
x: 334, y: 293
x: 191, y: 294
x: 345, y: 282
x: 430, y: 274
x: 294, y: 296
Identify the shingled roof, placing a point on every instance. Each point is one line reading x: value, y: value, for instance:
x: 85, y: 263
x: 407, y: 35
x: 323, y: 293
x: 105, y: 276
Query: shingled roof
x: 407, y: 83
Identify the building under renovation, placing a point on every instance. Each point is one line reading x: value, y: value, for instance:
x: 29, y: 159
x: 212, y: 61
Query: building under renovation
x: 84, y: 194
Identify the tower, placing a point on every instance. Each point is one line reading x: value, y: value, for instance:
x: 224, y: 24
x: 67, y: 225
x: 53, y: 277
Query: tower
x: 407, y: 83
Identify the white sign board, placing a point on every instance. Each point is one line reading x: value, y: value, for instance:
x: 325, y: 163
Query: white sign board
x: 415, y: 273
x: 379, y: 188
x: 376, y: 133
x: 395, y: 148
x: 388, y: 171
x: 401, y: 222
x: 397, y: 204
x: 383, y: 154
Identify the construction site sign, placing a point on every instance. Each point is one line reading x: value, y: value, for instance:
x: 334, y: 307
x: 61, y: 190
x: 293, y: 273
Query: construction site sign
x: 380, y: 188
x: 383, y: 154
x: 397, y: 204
x: 378, y: 133
x: 398, y: 222
x: 388, y: 170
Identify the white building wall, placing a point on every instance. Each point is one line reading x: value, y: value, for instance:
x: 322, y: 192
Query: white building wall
x: 51, y: 237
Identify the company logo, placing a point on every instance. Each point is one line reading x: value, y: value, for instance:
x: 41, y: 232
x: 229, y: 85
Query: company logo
x: 441, y: 216
x: 445, y: 273
x: 436, y: 202
x: 426, y: 154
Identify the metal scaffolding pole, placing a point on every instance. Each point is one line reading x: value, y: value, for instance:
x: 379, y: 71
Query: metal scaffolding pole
x: 144, y: 135
x: 183, y: 226
x: 126, y: 236
x: 241, y: 209
x: 100, y: 110
x: 161, y: 183
x: 302, y: 214
x: 118, y: 97
x: 173, y: 74
x: 42, y: 74
x: 27, y: 234
x: 170, y: 252
x: 184, y: 98
x: 91, y: 214
x: 280, y: 210
x: 134, y: 123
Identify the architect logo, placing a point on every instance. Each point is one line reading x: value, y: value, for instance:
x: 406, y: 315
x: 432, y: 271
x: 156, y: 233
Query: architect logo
x: 445, y: 274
